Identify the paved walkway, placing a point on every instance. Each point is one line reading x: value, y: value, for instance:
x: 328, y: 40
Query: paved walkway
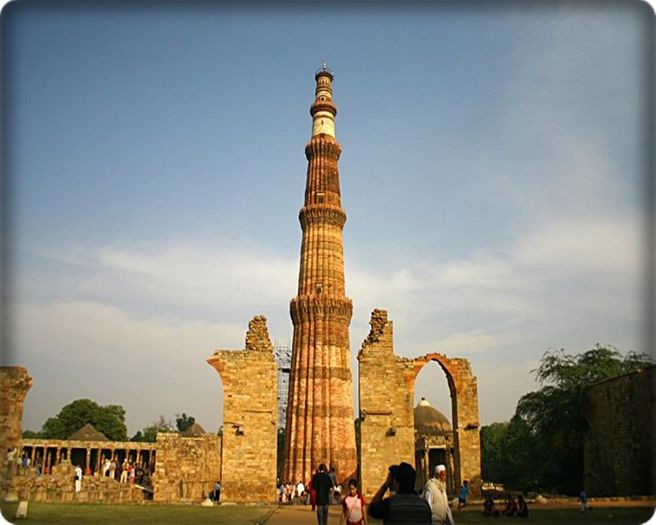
x: 297, y: 514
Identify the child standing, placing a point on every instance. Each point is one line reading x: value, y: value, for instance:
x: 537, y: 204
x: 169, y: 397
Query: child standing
x: 353, y: 506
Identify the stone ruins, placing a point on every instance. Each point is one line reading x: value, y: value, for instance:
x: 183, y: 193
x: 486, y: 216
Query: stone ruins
x: 320, y: 423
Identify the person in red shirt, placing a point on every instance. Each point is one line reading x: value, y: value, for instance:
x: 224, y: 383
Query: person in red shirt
x: 353, y: 506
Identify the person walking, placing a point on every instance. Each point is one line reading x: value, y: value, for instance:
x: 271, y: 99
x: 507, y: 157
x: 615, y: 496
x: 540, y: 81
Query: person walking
x: 435, y: 495
x: 353, y: 506
x: 522, y: 508
x: 462, y: 497
x: 321, y: 484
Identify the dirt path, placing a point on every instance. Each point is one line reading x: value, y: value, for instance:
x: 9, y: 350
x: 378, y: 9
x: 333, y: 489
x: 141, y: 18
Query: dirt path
x: 297, y: 514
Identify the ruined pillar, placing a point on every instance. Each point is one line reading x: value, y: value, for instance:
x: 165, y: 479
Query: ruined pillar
x: 250, y: 417
x: 386, y: 405
x: 14, y: 384
x: 466, y: 425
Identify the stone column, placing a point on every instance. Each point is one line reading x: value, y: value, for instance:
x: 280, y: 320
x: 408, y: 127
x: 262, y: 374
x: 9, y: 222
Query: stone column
x: 466, y: 426
x: 386, y: 405
x: 250, y: 416
x: 14, y: 384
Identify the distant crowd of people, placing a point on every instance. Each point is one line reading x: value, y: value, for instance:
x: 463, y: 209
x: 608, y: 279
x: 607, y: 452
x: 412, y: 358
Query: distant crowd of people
x: 306, y: 493
x: 126, y: 471
x: 512, y: 508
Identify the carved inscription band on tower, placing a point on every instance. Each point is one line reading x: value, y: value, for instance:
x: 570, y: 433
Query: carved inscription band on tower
x: 320, y: 410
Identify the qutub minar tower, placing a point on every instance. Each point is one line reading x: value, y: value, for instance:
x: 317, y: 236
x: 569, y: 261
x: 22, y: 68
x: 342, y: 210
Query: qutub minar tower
x: 320, y: 426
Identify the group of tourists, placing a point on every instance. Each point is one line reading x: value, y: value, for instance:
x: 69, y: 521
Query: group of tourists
x: 511, y: 508
x: 24, y: 464
x: 305, y: 494
x: 127, y: 471
x: 403, y: 505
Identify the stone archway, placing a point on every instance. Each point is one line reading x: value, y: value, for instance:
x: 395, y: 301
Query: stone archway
x: 386, y: 391
x: 464, y: 407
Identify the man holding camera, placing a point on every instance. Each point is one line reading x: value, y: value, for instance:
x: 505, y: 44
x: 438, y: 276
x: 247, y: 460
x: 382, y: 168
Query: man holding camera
x: 405, y: 507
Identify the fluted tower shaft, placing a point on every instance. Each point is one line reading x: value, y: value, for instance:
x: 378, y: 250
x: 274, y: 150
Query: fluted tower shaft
x: 320, y: 427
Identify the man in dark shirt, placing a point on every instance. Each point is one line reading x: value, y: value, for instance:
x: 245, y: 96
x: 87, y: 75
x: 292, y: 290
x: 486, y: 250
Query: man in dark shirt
x: 321, y: 484
x: 405, y: 507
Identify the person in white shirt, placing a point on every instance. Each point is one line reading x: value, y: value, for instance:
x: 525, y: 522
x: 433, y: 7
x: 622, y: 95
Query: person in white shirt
x: 435, y: 495
x: 78, y: 478
x: 300, y: 489
x: 11, y: 458
x: 105, y: 469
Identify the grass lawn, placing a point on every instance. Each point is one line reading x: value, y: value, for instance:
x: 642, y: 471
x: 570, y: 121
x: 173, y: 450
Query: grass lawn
x: 616, y: 516
x: 83, y: 513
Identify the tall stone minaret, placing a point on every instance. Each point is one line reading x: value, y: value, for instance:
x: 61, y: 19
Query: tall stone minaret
x: 320, y: 427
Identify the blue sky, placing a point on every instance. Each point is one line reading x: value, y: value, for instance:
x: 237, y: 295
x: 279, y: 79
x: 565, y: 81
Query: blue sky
x: 493, y: 174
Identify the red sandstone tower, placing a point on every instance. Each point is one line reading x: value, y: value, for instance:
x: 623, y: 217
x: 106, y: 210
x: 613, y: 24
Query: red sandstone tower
x: 320, y: 410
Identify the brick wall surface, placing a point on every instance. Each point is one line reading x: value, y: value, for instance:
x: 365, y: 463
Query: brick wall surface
x: 59, y: 486
x: 14, y: 384
x: 320, y: 427
x: 250, y: 412
x: 186, y: 468
x: 386, y: 389
x: 386, y: 405
x: 620, y: 451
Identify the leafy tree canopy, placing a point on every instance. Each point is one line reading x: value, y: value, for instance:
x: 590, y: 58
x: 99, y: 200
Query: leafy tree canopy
x: 542, y: 447
x: 31, y: 434
x: 559, y: 406
x: 183, y: 421
x: 149, y: 433
x: 110, y: 420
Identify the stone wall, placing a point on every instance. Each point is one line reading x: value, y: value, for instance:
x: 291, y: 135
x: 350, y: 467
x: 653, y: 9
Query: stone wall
x: 250, y: 409
x: 60, y: 487
x: 386, y: 405
x: 620, y: 447
x: 14, y: 384
x: 186, y: 468
x: 386, y: 386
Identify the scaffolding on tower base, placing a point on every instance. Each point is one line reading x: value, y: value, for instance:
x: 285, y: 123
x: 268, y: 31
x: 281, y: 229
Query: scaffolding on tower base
x: 283, y: 356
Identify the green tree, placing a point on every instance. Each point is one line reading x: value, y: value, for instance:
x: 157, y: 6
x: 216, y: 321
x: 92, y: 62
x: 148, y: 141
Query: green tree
x: 555, y: 415
x: 149, y: 433
x: 492, y: 453
x: 183, y: 421
x: 508, y: 454
x: 32, y: 434
x: 110, y: 420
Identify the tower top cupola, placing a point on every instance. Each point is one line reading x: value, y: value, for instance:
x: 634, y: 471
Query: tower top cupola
x: 324, y: 70
x: 323, y: 110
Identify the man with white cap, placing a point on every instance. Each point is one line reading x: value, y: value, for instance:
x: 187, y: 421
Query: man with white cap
x: 435, y: 495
